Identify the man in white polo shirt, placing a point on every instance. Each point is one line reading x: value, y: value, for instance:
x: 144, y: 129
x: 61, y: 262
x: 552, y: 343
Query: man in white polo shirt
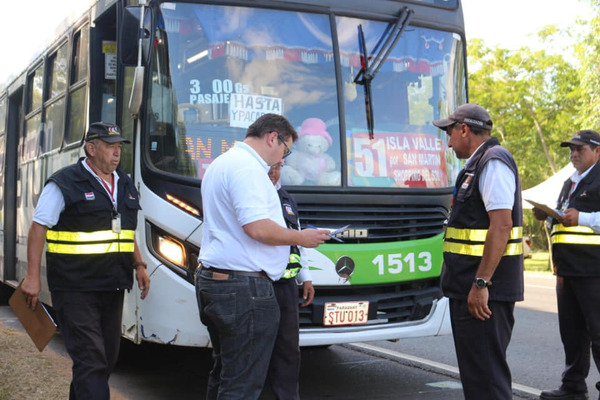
x: 244, y: 248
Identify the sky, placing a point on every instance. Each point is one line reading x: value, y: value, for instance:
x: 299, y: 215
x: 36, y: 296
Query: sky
x: 507, y: 23
x: 514, y: 23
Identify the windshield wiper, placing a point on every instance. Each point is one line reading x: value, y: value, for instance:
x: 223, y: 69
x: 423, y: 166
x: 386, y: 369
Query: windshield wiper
x: 368, y: 69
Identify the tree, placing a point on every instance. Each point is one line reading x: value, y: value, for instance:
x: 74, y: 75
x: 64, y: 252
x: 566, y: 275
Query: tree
x: 533, y: 98
x: 588, y: 54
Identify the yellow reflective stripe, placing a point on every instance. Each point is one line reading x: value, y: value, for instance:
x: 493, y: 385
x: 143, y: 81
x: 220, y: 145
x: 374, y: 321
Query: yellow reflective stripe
x: 576, y: 239
x: 98, y: 236
x: 512, y: 249
x: 558, y: 228
x: 290, y: 273
x: 574, y: 235
x: 101, y: 248
x: 479, y: 235
x: 294, y: 258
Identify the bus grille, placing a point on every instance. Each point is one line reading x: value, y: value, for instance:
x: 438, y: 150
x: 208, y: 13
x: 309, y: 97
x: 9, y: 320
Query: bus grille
x: 401, y: 302
x: 376, y: 223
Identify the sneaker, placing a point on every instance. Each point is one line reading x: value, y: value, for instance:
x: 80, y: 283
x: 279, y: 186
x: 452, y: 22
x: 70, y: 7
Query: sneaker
x: 562, y: 394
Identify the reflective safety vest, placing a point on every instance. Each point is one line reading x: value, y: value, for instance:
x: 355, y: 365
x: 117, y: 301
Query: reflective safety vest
x: 290, y: 214
x: 82, y: 251
x: 574, y: 235
x: 467, y: 230
x: 293, y: 266
x: 575, y: 249
x: 100, y: 242
x: 471, y: 242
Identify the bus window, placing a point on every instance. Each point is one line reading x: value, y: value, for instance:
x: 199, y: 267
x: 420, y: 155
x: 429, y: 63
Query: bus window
x: 217, y: 69
x: 407, y: 151
x: 78, y: 87
x: 54, y: 126
x: 30, y: 142
x: 35, y: 89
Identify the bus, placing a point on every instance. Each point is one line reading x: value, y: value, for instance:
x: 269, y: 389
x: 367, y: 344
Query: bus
x: 361, y: 81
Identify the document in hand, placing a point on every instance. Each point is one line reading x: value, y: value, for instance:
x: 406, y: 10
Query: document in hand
x: 39, y: 324
x: 550, y: 211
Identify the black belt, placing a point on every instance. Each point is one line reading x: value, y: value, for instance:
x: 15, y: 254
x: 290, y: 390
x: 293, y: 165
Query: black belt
x: 259, y: 274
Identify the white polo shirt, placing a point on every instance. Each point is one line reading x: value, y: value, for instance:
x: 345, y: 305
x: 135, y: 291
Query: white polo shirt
x: 236, y: 191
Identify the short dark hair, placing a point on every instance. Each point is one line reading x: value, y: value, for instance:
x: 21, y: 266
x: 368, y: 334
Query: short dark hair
x: 268, y: 123
x: 477, y: 129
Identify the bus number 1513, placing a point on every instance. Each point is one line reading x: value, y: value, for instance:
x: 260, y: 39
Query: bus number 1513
x: 396, y: 263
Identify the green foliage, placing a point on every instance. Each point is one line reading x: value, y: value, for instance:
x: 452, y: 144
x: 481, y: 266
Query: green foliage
x: 588, y: 53
x: 536, y: 100
x: 533, y: 98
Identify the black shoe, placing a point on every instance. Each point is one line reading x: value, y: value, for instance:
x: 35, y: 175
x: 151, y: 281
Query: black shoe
x: 562, y: 394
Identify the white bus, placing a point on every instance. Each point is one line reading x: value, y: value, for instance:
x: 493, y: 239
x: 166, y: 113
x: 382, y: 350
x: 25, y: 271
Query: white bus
x: 361, y: 81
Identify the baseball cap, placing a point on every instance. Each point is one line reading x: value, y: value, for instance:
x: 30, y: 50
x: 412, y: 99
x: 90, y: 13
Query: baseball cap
x: 471, y: 114
x: 583, y: 137
x: 105, y: 131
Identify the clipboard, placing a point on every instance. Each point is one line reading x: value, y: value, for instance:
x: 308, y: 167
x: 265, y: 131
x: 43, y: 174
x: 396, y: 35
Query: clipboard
x: 550, y: 211
x: 38, y: 324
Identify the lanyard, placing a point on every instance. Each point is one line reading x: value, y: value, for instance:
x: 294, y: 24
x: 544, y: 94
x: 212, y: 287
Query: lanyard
x: 110, y: 190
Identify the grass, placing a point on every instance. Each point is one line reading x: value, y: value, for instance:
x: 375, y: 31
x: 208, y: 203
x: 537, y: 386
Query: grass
x: 537, y: 262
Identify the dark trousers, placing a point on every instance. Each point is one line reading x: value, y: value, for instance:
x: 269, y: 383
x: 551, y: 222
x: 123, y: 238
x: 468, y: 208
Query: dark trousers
x: 481, y: 350
x: 90, y: 324
x: 579, y: 322
x: 242, y: 315
x: 284, y: 368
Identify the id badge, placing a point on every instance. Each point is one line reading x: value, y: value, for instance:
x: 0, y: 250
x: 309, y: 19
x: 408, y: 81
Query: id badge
x: 116, y: 224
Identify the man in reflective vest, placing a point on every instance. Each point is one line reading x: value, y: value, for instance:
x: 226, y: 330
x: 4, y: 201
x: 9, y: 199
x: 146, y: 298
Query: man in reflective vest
x: 483, y: 253
x: 576, y: 257
x: 284, y: 367
x: 87, y: 215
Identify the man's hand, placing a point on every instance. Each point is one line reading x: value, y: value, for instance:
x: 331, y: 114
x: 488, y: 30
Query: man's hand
x: 31, y: 289
x: 570, y: 217
x: 478, y: 303
x: 143, y: 280
x: 313, y: 237
x: 308, y: 293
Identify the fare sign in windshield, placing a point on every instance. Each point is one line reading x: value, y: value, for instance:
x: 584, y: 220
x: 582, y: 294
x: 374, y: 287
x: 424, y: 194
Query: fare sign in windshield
x: 346, y: 313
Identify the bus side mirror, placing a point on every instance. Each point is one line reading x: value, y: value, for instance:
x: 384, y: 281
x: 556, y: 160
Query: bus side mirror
x: 129, y: 36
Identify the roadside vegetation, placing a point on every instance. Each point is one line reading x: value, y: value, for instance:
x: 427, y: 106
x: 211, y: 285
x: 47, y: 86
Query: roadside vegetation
x: 539, y: 98
x: 538, y: 263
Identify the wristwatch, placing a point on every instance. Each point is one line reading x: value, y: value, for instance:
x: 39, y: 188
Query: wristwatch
x: 481, y: 283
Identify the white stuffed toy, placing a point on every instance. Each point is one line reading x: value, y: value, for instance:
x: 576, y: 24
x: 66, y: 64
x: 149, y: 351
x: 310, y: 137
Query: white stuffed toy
x: 309, y: 164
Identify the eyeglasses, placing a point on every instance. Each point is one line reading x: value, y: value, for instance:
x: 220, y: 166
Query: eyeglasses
x: 287, y: 151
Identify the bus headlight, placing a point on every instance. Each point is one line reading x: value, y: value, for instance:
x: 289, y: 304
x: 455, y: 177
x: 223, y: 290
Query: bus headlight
x: 177, y: 254
x: 172, y: 251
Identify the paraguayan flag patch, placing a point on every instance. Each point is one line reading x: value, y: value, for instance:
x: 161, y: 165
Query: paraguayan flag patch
x: 89, y: 196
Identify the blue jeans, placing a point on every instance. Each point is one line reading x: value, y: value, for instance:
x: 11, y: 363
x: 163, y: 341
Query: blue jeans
x: 242, y: 317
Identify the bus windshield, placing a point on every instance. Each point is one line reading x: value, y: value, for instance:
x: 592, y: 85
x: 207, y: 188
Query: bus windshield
x: 216, y: 69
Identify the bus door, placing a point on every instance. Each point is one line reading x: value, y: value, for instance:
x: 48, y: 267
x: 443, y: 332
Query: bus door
x: 8, y: 191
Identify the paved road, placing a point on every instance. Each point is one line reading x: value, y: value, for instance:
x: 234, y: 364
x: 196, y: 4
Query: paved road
x: 421, y: 368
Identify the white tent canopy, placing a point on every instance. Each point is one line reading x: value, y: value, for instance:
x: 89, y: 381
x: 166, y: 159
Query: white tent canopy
x: 547, y: 192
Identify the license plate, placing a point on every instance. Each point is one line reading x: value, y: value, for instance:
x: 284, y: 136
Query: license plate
x: 346, y: 313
